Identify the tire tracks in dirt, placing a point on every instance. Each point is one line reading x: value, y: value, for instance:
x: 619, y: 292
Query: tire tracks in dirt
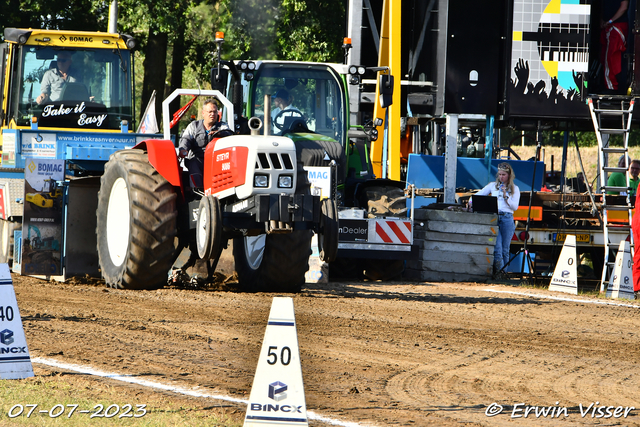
x: 383, y: 353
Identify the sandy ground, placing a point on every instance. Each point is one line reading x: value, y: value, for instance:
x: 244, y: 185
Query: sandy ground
x: 382, y: 354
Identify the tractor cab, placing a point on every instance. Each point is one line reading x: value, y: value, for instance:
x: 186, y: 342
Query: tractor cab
x: 82, y: 84
x: 304, y: 101
x: 304, y: 98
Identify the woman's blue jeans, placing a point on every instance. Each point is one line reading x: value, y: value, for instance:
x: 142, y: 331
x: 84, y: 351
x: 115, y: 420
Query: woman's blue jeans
x: 503, y: 242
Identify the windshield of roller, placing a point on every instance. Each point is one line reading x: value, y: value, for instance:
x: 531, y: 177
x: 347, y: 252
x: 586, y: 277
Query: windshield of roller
x: 83, y: 88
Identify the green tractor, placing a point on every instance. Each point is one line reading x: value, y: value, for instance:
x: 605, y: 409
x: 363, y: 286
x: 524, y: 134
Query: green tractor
x: 309, y: 103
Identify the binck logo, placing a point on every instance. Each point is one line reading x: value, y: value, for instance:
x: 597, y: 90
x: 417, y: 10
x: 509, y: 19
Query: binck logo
x: 565, y: 273
x: 13, y: 350
x: 277, y: 391
x: 276, y: 408
x: 6, y: 337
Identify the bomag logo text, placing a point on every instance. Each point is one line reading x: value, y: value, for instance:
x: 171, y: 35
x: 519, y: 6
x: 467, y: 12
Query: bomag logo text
x: 313, y: 175
x: 47, y: 167
x: 80, y: 39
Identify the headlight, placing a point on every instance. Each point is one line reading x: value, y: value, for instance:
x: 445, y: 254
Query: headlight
x: 285, y: 181
x: 261, y: 181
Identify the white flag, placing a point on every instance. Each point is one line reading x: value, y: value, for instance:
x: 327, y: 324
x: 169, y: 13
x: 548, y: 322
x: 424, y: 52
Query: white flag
x: 149, y: 123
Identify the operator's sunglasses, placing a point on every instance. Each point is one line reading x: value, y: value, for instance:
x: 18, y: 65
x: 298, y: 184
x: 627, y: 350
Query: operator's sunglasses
x: 64, y: 60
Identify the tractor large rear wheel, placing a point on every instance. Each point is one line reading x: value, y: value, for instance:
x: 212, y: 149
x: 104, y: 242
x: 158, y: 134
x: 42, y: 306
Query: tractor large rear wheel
x: 272, y: 262
x: 136, y: 223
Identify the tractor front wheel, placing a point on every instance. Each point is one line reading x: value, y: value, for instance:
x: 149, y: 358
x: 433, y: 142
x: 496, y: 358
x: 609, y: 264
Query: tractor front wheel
x: 209, y: 228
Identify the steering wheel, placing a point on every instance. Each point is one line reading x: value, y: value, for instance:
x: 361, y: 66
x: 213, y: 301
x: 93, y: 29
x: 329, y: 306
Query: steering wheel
x: 221, y: 133
x: 293, y: 112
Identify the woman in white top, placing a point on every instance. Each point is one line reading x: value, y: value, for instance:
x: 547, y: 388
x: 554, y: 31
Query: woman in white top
x: 508, y: 195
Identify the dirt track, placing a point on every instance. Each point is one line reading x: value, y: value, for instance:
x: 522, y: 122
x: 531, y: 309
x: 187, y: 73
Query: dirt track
x: 376, y: 353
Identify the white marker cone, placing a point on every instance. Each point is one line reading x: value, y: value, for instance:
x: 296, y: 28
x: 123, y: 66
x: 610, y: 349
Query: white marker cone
x: 565, y: 276
x: 15, y: 362
x: 621, y: 281
x: 277, y: 394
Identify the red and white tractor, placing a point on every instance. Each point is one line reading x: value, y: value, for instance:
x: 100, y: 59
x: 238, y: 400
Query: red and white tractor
x: 255, y: 192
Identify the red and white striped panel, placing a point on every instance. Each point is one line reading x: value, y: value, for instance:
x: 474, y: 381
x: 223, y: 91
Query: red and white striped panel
x: 391, y: 231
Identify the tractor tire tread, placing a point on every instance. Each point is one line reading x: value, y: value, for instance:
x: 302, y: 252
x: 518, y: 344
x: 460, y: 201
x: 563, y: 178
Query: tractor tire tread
x: 153, y: 225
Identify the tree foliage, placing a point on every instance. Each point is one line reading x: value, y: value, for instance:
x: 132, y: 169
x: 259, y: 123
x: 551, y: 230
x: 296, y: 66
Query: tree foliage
x: 249, y: 27
x: 311, y: 30
x: 82, y: 15
x: 177, y: 38
x: 157, y: 24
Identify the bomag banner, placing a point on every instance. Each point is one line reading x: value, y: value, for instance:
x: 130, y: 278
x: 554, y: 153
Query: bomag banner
x: 42, y: 225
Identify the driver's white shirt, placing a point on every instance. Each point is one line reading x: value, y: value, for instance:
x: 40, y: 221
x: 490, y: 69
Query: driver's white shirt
x: 275, y: 113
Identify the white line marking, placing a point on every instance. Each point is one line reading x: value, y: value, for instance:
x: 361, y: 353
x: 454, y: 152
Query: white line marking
x: 563, y: 298
x: 180, y: 390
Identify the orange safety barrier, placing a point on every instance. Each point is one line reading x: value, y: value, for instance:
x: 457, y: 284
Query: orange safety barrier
x: 521, y: 213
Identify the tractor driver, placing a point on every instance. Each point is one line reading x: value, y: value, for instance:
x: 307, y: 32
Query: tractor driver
x: 284, y: 108
x: 196, y: 137
x: 55, y: 78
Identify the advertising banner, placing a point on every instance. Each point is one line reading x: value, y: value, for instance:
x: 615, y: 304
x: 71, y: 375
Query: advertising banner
x: 42, y: 225
x: 550, y: 58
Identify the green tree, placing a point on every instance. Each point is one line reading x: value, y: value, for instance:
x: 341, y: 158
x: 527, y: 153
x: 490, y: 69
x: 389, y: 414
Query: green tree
x: 83, y: 15
x: 159, y: 26
x: 311, y: 30
x: 180, y: 36
x: 203, y: 21
x: 249, y: 27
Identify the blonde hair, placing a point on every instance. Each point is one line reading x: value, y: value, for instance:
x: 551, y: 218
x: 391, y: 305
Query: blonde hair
x: 506, y: 167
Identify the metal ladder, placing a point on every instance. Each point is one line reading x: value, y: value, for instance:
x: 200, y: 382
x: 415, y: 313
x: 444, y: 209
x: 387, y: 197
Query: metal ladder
x: 612, y: 116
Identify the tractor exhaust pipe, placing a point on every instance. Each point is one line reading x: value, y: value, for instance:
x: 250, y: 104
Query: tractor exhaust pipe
x: 267, y: 114
x: 255, y: 124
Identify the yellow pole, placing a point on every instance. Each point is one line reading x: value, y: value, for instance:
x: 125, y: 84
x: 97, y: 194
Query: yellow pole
x: 396, y: 70
x: 389, y: 56
x: 378, y: 111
